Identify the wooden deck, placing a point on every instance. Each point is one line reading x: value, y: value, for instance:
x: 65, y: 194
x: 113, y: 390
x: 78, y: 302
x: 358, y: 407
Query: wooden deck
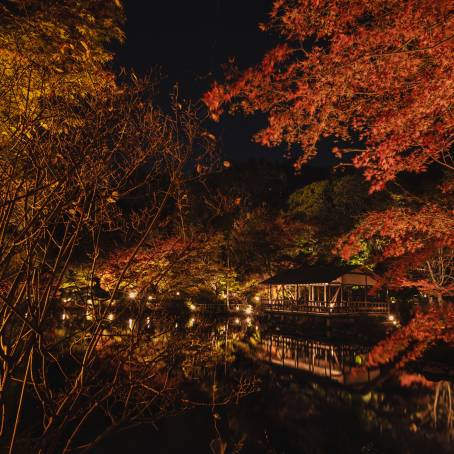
x: 379, y: 309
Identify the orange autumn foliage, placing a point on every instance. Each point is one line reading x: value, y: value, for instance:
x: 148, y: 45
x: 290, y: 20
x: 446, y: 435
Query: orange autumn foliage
x: 411, y: 341
x: 377, y: 72
x: 416, y: 245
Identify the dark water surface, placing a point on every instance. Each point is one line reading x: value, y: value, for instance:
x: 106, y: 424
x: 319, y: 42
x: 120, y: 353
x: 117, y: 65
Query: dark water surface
x: 275, y: 389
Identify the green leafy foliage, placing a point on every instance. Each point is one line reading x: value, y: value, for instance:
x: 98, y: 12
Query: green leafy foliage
x: 327, y: 209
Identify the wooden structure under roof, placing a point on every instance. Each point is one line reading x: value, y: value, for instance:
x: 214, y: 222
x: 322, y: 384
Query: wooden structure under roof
x: 323, y: 290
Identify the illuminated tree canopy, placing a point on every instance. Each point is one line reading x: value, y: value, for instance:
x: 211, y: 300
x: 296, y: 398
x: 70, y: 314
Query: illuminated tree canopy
x: 377, y: 73
x: 376, y: 76
x: 52, y: 50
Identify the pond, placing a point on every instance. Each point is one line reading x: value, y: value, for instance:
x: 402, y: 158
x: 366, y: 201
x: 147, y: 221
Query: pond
x: 246, y: 385
x: 269, y: 388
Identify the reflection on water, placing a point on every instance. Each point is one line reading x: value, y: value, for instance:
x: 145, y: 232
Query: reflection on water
x: 337, y: 361
x: 291, y: 393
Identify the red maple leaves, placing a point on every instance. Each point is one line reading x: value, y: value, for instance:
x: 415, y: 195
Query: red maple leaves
x: 411, y: 341
x: 417, y: 245
x: 377, y: 72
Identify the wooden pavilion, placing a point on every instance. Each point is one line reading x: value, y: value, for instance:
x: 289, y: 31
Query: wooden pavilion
x: 323, y: 290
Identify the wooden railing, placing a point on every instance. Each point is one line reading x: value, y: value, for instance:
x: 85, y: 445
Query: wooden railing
x: 321, y: 308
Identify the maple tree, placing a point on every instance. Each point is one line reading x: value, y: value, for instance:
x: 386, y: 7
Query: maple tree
x: 377, y: 72
x: 416, y: 245
x: 166, y: 267
x: 411, y: 341
x: 375, y: 77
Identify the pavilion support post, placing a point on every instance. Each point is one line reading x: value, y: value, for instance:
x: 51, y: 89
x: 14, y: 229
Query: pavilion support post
x: 365, y: 290
x: 271, y: 347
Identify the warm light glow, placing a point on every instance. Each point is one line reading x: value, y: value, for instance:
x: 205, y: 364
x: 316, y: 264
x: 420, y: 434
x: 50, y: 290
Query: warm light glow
x: 64, y: 316
x: 237, y: 321
x: 110, y: 317
x: 249, y: 321
x: 88, y: 315
x: 257, y: 298
x: 132, y: 294
x: 237, y: 308
x: 130, y: 323
x: 191, y: 322
x: 391, y: 317
x: 248, y: 310
x: 192, y: 307
x: 178, y: 293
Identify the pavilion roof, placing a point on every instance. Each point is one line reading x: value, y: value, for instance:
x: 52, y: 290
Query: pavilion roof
x: 310, y: 274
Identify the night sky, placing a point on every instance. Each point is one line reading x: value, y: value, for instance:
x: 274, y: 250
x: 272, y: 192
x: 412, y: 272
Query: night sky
x: 190, y: 41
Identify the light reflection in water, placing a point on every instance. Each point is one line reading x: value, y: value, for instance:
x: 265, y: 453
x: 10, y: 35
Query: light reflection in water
x: 338, y: 362
x: 287, y: 354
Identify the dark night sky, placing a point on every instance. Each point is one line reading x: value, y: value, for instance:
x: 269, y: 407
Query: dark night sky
x: 190, y: 41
